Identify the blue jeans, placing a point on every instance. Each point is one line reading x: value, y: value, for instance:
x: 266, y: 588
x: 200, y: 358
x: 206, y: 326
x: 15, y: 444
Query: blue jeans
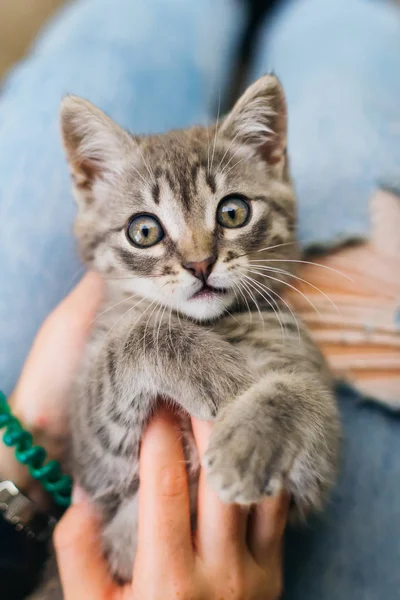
x: 159, y: 64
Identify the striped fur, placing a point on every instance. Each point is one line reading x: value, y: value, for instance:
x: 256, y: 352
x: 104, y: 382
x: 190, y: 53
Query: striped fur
x: 217, y: 358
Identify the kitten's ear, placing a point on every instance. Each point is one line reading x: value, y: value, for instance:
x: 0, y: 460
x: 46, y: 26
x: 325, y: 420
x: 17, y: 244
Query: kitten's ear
x: 95, y: 146
x: 259, y: 119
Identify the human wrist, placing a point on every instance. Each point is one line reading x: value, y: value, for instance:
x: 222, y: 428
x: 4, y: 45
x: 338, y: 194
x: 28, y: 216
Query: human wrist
x: 10, y: 468
x: 22, y: 453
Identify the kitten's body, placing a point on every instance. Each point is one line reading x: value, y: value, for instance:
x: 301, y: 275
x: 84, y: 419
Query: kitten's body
x: 254, y: 372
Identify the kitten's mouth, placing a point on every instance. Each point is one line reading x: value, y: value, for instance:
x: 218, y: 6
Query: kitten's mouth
x: 207, y: 292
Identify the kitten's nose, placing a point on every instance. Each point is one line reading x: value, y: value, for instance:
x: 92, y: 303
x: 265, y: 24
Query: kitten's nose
x: 201, y: 269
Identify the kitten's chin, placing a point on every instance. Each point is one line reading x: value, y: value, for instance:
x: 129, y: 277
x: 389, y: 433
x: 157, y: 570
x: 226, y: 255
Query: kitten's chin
x: 207, y: 308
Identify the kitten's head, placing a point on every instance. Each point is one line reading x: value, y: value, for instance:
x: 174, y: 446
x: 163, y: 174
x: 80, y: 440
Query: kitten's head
x: 185, y: 218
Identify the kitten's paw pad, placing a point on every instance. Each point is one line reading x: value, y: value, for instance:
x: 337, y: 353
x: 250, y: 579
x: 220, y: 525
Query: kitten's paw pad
x: 243, y: 468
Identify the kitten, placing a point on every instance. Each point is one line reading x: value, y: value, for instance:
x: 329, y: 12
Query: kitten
x: 194, y: 232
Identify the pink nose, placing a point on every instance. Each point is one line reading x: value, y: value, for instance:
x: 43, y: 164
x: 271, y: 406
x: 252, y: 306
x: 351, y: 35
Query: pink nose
x: 202, y: 269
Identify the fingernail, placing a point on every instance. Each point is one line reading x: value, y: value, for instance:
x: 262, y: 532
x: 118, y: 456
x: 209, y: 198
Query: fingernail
x: 78, y: 495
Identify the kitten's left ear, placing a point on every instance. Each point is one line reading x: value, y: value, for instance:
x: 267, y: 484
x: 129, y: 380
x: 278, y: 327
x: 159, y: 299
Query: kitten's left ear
x: 259, y: 119
x: 95, y: 146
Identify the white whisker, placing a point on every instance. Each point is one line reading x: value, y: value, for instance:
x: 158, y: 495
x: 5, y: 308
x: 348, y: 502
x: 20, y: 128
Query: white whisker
x: 170, y: 329
x: 179, y: 318
x: 304, y: 262
x: 226, y: 152
x: 216, y: 130
x: 289, y: 285
x: 232, y: 315
x: 247, y: 288
x: 120, y: 319
x: 148, y: 321
x: 252, y: 282
x: 268, y: 248
x: 143, y: 179
x: 149, y: 170
x: 239, y: 131
x: 126, y: 313
x: 158, y: 330
x: 111, y: 307
x: 288, y: 307
x: 238, y: 285
x: 271, y: 291
x: 225, y: 172
x: 225, y: 169
x: 288, y: 274
x: 208, y: 150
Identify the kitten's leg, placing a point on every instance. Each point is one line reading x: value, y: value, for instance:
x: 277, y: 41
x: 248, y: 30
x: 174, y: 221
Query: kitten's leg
x: 119, y: 386
x: 106, y: 430
x: 182, y: 361
x: 193, y: 366
x: 283, y: 431
x: 120, y: 538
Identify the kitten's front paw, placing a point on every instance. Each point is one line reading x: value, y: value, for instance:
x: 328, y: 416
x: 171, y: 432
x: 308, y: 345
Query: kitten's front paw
x: 243, y: 466
x: 247, y: 460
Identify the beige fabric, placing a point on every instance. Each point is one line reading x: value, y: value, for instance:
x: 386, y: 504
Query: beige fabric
x: 361, y: 336
x: 20, y: 21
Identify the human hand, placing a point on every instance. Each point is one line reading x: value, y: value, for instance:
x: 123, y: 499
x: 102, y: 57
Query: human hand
x: 233, y: 554
x: 41, y: 396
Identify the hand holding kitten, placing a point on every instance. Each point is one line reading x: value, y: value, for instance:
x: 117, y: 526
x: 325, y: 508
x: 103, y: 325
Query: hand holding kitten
x: 41, y: 396
x: 231, y: 555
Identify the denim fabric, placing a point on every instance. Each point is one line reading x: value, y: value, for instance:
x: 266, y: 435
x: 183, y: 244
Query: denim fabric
x: 154, y: 65
x: 339, y: 61
x: 351, y: 551
x: 151, y: 65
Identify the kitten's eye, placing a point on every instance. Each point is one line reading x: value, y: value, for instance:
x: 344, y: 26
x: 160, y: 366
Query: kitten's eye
x: 144, y: 231
x: 233, y: 211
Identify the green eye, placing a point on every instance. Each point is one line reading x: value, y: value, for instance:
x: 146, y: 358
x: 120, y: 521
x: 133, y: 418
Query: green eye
x: 233, y: 211
x: 144, y: 231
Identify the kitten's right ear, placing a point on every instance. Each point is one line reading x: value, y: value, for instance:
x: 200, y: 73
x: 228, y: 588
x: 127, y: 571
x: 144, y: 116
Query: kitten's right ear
x: 259, y: 121
x: 95, y: 146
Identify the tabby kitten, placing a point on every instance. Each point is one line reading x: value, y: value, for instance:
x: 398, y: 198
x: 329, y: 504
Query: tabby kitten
x: 187, y: 228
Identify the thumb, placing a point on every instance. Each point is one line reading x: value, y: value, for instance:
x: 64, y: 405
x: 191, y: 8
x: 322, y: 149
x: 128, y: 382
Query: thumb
x: 82, y: 567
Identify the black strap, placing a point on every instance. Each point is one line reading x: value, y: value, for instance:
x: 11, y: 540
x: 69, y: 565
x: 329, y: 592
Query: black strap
x: 257, y: 11
x: 21, y: 562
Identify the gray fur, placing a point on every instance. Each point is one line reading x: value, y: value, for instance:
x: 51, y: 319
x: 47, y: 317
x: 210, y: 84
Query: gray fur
x: 269, y: 393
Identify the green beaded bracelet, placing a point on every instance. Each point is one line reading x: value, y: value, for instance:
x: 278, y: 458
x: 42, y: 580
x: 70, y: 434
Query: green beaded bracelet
x: 48, y: 473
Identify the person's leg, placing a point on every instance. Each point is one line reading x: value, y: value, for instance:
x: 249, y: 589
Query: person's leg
x: 339, y: 61
x: 151, y: 65
x: 351, y: 552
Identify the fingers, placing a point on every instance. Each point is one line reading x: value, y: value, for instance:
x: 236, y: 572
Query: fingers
x: 84, y: 299
x: 164, y: 511
x: 54, y: 359
x: 266, y: 528
x: 222, y: 527
x: 82, y: 567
